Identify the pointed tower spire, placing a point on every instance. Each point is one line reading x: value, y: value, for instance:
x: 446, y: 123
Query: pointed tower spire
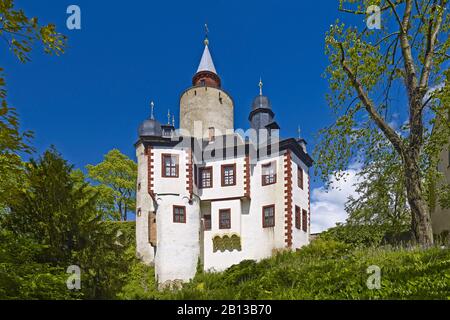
x: 206, y: 63
x: 168, y: 116
x: 206, y: 72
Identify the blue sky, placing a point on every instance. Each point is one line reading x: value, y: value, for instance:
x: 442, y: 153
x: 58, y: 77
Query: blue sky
x: 92, y: 98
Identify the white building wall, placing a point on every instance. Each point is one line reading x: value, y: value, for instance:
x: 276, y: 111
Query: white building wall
x: 300, y: 198
x: 144, y: 205
x: 259, y: 242
x: 164, y: 185
x: 219, y: 261
x: 219, y: 192
x: 178, y: 248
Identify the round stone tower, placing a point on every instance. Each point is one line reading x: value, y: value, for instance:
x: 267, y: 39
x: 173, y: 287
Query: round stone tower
x: 205, y: 108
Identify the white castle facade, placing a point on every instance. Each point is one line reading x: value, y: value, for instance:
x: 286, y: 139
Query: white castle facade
x: 212, y: 197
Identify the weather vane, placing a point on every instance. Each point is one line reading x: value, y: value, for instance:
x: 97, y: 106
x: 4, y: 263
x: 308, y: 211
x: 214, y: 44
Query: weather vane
x: 299, y: 132
x: 260, y: 86
x: 206, y: 34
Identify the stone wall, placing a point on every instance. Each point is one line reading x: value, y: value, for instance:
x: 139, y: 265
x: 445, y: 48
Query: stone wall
x: 208, y: 106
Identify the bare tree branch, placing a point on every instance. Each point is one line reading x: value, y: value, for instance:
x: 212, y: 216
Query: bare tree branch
x: 394, y: 10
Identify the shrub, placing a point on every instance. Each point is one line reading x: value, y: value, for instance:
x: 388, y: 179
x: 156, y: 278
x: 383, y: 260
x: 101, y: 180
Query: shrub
x: 326, y: 269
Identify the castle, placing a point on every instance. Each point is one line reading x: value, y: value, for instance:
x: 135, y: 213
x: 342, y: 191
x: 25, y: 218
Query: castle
x: 210, y: 196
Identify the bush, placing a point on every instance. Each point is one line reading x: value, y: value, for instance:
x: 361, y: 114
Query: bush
x: 356, y: 235
x: 326, y: 269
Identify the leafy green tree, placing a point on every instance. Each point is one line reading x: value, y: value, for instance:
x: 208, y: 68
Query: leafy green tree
x: 22, y: 276
x: 116, y: 177
x: 381, y: 199
x: 53, y: 210
x: 12, y: 142
x: 20, y: 32
x: 369, y: 69
x: 56, y: 214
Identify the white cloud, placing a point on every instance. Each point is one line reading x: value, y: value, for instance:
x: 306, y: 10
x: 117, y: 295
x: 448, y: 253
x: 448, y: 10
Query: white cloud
x: 328, y: 207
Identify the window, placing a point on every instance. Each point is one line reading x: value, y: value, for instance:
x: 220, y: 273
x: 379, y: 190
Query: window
x: 179, y: 214
x: 305, y: 220
x: 207, y: 222
x: 170, y: 166
x: 298, y: 218
x: 225, y: 219
x: 167, y: 132
x: 228, y: 175
x: 195, y: 175
x: 212, y: 134
x: 206, y: 177
x: 300, y: 177
x: 269, y: 216
x: 269, y: 175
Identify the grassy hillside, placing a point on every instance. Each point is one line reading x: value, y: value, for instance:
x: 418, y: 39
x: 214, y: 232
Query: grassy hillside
x: 323, y: 270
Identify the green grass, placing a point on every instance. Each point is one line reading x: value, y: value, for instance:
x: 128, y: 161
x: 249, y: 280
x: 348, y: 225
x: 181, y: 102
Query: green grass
x: 322, y: 270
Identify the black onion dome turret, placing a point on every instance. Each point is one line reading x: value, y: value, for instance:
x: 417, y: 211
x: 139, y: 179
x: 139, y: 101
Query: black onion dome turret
x: 261, y: 102
x: 150, y: 128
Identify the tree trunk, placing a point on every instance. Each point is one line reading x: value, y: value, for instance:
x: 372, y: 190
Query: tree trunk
x: 120, y: 211
x: 420, y: 220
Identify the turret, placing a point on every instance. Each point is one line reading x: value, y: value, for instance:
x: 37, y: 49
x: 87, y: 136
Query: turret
x: 150, y: 127
x: 262, y: 116
x: 205, y: 107
x: 206, y: 73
